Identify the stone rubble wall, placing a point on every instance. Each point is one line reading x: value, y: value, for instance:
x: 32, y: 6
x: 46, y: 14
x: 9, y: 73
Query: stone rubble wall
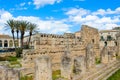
x: 55, y: 46
x: 7, y: 54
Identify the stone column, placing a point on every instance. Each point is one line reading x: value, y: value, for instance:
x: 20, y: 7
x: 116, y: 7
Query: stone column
x: 118, y: 43
x: 79, y: 65
x: 3, y: 73
x: 9, y: 74
x: 66, y: 66
x: 8, y: 43
x: 104, y: 55
x: 2, y: 43
x: 13, y: 74
x: 43, y: 69
x: 90, y: 57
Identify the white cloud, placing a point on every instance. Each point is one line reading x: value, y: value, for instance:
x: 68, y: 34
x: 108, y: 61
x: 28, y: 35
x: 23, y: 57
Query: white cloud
x: 78, y: 0
x: 29, y: 3
x: 107, y: 12
x: 41, y: 3
x: 101, y: 19
x: 45, y: 26
x: 22, y: 4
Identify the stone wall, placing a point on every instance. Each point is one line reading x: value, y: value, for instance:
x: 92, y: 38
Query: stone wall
x: 91, y: 35
x: 7, y: 54
x: 56, y: 45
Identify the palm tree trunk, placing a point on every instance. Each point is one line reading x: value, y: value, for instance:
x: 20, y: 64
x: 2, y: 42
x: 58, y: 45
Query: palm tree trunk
x: 13, y: 38
x: 29, y: 40
x: 18, y: 37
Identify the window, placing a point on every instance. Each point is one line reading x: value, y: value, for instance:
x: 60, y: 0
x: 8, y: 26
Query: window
x: 93, y: 40
x: 109, y: 38
x: 5, y: 43
x: 102, y: 38
x: 0, y: 43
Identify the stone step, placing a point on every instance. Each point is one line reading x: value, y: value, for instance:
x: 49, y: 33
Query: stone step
x: 100, y: 71
x: 107, y: 72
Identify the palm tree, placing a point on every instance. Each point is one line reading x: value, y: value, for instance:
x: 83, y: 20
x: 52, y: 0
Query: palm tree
x: 11, y: 24
x: 22, y: 28
x: 17, y: 25
x: 32, y: 28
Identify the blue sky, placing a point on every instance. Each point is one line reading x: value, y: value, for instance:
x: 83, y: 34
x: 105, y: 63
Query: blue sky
x: 59, y: 16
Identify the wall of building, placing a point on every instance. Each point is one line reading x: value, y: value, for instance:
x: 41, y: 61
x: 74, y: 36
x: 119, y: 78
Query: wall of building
x: 56, y: 45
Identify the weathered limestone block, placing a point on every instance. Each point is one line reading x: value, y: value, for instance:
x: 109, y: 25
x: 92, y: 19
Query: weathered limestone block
x: 43, y: 69
x: 3, y: 73
x: 79, y: 65
x: 104, y: 55
x: 66, y: 66
x: 90, y: 57
x: 9, y: 74
x: 13, y: 74
x: 118, y: 43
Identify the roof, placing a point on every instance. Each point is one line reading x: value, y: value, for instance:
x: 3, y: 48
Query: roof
x: 105, y: 31
x: 5, y: 36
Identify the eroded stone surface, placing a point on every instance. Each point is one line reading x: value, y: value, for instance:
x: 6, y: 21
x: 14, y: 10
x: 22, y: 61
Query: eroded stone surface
x: 66, y: 66
x: 79, y: 65
x: 90, y: 57
x: 43, y: 70
x: 9, y: 73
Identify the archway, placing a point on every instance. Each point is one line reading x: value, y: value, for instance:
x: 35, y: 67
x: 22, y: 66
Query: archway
x: 0, y: 43
x: 5, y: 43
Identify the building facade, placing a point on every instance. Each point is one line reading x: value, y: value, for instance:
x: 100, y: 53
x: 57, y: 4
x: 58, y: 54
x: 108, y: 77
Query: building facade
x: 6, y: 41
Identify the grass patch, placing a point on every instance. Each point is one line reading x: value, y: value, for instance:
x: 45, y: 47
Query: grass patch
x: 97, y: 60
x: 8, y: 58
x: 13, y: 61
x: 26, y: 78
x: 115, y: 76
x: 56, y: 74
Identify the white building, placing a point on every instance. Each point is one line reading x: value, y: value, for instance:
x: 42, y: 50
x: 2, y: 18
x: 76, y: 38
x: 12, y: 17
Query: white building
x: 6, y: 41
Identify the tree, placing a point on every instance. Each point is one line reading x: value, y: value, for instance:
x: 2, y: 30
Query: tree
x: 11, y: 24
x: 17, y: 25
x: 116, y: 28
x: 31, y: 28
x: 22, y: 28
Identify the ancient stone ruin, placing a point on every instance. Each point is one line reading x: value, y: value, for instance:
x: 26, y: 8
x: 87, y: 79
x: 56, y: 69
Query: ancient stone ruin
x: 66, y: 65
x: 90, y: 57
x: 79, y: 65
x: 74, y: 55
x: 43, y: 70
x: 9, y: 73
